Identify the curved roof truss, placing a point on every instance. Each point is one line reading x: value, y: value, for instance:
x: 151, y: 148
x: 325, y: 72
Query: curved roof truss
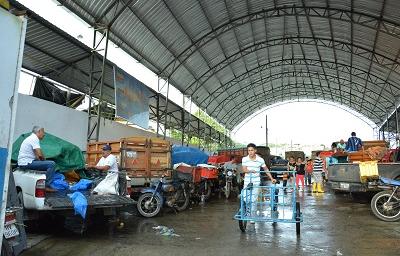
x: 229, y: 54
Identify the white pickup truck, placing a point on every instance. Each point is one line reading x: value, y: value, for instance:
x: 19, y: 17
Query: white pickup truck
x: 30, y: 186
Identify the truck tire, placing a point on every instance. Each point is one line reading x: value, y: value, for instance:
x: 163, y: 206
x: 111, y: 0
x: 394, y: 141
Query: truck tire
x: 380, y: 204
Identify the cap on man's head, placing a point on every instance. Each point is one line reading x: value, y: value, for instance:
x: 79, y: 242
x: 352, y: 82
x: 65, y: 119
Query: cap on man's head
x: 353, y: 134
x: 107, y: 147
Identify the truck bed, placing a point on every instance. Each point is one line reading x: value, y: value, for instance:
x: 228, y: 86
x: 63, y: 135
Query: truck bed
x: 346, y: 176
x: 60, y: 200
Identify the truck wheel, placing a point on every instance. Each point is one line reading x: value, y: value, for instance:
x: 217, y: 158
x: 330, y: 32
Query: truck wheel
x: 148, y: 207
x: 383, y: 208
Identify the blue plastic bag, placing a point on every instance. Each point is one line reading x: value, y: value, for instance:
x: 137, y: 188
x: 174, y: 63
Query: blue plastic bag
x: 80, y: 203
x: 59, y: 182
x: 83, y: 184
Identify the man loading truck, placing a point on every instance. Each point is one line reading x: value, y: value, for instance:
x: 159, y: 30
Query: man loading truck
x: 108, y: 163
x: 31, y: 156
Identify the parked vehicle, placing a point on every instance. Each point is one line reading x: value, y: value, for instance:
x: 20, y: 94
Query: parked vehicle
x: 141, y: 157
x: 14, y: 236
x: 346, y: 176
x: 31, y: 194
x: 230, y: 182
x: 386, y: 204
x: 170, y: 193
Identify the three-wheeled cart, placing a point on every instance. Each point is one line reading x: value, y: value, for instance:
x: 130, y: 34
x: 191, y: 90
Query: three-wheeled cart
x: 269, y: 203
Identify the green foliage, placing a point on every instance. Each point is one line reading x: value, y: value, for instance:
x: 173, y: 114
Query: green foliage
x: 210, y: 121
x: 210, y: 146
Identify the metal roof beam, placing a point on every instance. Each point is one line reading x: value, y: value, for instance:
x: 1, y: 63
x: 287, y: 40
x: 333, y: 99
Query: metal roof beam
x: 374, y: 46
x: 278, y: 42
x: 314, y: 75
x: 288, y: 10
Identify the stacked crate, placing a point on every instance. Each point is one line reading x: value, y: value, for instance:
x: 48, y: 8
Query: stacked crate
x: 362, y: 155
x: 140, y: 157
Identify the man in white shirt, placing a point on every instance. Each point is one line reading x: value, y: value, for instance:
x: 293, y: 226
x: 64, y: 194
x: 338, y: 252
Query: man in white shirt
x: 251, y: 165
x: 31, y: 157
x: 108, y: 163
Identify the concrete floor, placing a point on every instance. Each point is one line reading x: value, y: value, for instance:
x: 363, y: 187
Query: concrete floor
x: 333, y: 225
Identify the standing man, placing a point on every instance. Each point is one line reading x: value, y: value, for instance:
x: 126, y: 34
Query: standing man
x: 318, y: 174
x: 354, y: 143
x: 31, y: 157
x: 108, y: 163
x: 251, y: 167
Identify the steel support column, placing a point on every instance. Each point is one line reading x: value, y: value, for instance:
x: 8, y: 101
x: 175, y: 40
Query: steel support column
x: 96, y: 83
x: 158, y: 113
x: 182, y: 126
x: 198, y: 130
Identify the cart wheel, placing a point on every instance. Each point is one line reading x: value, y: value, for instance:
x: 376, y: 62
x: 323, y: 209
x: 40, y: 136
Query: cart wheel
x: 243, y: 225
x: 298, y: 218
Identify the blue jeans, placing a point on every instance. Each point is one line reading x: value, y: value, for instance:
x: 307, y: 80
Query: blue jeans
x: 308, y: 179
x: 49, y: 166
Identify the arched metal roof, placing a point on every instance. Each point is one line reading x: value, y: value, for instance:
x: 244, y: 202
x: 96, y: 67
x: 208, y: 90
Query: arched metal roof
x: 236, y: 56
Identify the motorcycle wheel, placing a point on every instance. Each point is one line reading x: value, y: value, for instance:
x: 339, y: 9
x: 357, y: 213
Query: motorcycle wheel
x: 380, y: 203
x: 204, y: 191
x: 146, y: 208
x: 182, y: 201
x: 228, y: 189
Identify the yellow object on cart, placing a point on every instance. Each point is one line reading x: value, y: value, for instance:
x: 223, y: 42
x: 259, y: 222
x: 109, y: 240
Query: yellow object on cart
x: 368, y: 171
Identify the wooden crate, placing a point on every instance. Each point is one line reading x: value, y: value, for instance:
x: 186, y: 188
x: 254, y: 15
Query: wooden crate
x: 140, y: 157
x: 374, y: 143
x: 94, y: 151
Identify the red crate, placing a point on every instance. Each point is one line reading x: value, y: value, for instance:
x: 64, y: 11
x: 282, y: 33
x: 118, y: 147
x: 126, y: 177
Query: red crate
x: 194, y: 172
x: 218, y: 159
x: 208, y: 173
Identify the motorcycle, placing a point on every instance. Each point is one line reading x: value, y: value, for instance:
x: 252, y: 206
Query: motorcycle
x: 231, y: 183
x: 170, y: 193
x: 386, y: 204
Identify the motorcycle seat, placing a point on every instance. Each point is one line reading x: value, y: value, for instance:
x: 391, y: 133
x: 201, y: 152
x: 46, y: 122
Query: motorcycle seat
x: 390, y: 181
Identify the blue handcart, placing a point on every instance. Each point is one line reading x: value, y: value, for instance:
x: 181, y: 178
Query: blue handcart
x: 270, y: 203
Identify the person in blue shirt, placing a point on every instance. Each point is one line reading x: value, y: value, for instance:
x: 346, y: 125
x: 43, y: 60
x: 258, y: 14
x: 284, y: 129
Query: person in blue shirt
x: 354, y: 143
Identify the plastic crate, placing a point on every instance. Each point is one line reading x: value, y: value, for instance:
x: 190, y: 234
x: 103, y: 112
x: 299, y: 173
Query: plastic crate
x: 368, y: 171
x: 208, y: 173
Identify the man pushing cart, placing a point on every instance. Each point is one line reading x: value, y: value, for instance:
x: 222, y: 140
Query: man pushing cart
x: 251, y: 209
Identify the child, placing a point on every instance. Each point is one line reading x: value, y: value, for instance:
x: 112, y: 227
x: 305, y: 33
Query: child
x: 309, y: 171
x: 300, y: 172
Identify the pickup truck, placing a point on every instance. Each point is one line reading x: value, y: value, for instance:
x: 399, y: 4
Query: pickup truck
x: 31, y: 194
x: 346, y: 176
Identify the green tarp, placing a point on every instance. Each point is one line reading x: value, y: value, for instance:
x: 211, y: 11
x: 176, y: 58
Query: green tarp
x: 66, y: 155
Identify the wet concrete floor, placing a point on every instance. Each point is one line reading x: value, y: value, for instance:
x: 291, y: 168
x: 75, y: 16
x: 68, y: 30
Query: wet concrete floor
x: 333, y: 225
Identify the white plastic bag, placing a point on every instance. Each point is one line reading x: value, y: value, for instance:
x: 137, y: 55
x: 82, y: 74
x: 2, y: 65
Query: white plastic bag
x: 109, y: 185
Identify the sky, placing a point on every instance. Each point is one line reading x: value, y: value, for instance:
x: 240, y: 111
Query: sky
x: 298, y: 123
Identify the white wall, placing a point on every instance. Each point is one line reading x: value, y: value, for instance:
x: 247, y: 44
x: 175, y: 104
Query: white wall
x: 63, y: 122
x: 67, y: 123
